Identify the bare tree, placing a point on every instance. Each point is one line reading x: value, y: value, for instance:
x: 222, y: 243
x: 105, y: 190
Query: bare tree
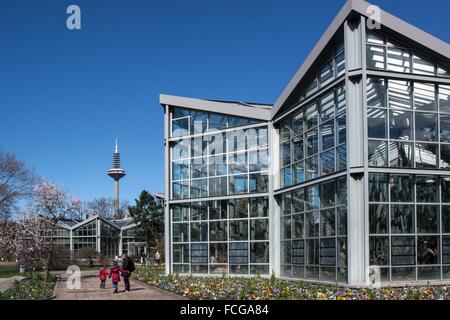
x: 16, y: 183
x: 123, y: 209
x: 104, y: 207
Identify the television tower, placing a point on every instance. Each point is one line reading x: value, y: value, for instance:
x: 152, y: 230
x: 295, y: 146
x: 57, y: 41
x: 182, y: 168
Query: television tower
x: 117, y: 173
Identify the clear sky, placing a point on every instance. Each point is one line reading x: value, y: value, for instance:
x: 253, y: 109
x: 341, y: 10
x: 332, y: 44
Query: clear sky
x: 66, y: 95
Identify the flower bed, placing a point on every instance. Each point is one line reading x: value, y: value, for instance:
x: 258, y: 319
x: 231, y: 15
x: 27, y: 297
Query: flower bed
x: 32, y: 288
x: 257, y: 288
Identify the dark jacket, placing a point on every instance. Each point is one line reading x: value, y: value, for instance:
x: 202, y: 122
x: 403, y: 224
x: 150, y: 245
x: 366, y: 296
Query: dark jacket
x: 126, y: 264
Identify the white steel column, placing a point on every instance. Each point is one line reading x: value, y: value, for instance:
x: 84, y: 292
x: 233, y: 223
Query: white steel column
x: 167, y: 223
x: 274, y: 210
x: 356, y: 154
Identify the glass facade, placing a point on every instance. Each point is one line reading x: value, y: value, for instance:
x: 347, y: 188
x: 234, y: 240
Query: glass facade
x: 407, y: 130
x: 314, y: 232
x: 383, y: 53
x: 313, y: 139
x: 409, y: 225
x: 408, y: 124
x: 220, y: 163
x: 221, y: 236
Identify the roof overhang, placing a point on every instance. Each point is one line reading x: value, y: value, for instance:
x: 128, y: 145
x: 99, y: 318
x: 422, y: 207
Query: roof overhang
x: 387, y: 20
x: 258, y: 112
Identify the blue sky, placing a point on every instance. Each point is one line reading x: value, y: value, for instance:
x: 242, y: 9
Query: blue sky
x: 66, y: 95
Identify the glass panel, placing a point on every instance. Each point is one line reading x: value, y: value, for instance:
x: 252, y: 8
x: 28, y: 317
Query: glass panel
x: 342, y: 129
x: 327, y: 160
x: 311, y: 116
x: 376, y: 93
x: 298, y: 231
x: 328, y: 223
x: 259, y: 207
x: 444, y: 98
x: 426, y: 155
x: 326, y: 73
x: 238, y: 252
x: 199, y: 231
x: 427, y: 188
x: 377, y: 123
x: 239, y: 230
x: 426, y: 127
x: 445, y: 189
x: 180, y: 127
x: 378, y: 218
x: 286, y: 154
x: 218, y: 231
x: 238, y: 208
x: 402, y: 219
x: 312, y: 142
x: 378, y: 187
x: 401, y: 154
x: 402, y: 188
x: 400, y: 96
x: 423, y: 66
x: 299, y: 172
x: 445, y: 157
x: 327, y: 134
x: 258, y: 182
x: 312, y: 224
x: 398, y: 60
x: 259, y: 252
x: 259, y: 229
x: 428, y: 250
x: 298, y: 146
x: 400, y: 125
x: 312, y: 168
x: 403, y: 251
x: 424, y: 96
x: 379, y: 251
x: 217, y: 186
x: 238, y: 184
x: 327, y: 194
x: 218, y: 165
x: 445, y: 128
x: 327, y: 107
x: 218, y: 253
x: 427, y: 219
x: 445, y: 219
x: 377, y: 153
x: 376, y: 57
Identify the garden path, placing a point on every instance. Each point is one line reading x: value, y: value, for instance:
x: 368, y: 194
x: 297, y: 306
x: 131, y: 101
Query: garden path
x: 90, y: 290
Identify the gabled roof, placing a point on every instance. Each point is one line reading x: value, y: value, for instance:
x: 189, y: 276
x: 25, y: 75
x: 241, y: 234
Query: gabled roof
x: 387, y: 20
x: 235, y: 108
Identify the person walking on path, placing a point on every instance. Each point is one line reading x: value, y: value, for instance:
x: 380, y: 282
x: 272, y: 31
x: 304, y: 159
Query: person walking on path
x: 127, y: 269
x: 102, y: 276
x: 114, y: 274
x: 143, y: 259
x: 157, y: 257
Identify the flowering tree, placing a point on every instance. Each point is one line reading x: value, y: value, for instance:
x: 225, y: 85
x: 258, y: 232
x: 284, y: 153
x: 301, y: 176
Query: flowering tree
x: 37, y: 227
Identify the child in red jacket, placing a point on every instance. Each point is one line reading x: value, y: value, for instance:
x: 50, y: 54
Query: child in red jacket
x: 102, y: 276
x: 114, y: 274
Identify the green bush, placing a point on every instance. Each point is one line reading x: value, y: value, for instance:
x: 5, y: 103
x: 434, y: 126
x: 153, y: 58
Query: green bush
x: 32, y: 288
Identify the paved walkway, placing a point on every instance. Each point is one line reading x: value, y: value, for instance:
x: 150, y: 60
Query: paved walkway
x: 6, y: 283
x: 90, y: 290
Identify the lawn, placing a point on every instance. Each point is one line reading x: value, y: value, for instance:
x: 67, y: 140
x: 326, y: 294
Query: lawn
x: 7, y: 271
x: 257, y: 288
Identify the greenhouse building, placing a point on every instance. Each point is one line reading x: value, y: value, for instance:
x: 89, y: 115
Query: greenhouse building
x: 344, y: 179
